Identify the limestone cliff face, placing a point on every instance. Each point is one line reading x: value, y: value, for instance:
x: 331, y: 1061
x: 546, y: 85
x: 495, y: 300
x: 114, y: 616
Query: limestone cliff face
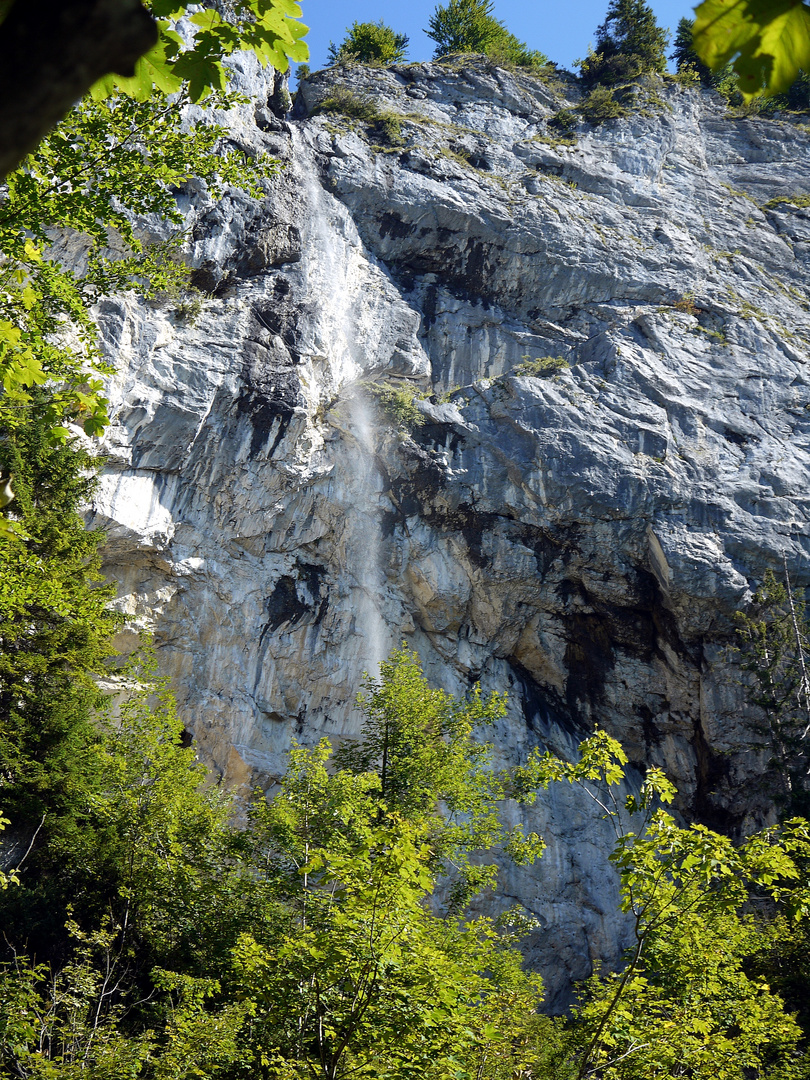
x: 580, y: 538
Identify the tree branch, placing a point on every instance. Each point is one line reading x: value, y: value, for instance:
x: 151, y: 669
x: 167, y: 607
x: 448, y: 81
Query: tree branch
x: 52, y: 52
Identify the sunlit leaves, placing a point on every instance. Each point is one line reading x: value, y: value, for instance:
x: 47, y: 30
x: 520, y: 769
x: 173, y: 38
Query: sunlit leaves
x: 365, y: 975
x: 105, y: 165
x: 766, y: 41
x: 269, y: 28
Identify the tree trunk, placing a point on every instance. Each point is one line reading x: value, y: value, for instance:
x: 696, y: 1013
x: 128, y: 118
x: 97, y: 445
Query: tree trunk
x: 51, y: 53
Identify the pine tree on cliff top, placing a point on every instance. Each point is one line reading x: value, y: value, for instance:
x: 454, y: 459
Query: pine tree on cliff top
x: 629, y: 43
x: 684, y: 55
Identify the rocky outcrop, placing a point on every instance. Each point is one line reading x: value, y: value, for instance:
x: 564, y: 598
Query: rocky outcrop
x: 578, y: 531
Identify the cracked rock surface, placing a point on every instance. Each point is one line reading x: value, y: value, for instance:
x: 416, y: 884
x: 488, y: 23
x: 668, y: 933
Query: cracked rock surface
x: 579, y: 531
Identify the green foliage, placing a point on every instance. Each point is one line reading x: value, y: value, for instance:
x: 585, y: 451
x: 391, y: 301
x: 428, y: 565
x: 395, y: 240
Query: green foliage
x: 725, y: 79
x: 541, y: 366
x: 767, y: 42
x: 468, y: 26
x: 315, y: 920
x: 693, y: 1011
x: 189, y: 306
x: 684, y: 55
x: 799, y: 201
x: 398, y: 402
x: 366, y: 978
x: 345, y: 102
x: 110, y: 159
x: 54, y: 623
x: 142, y: 875
x: 311, y: 943
x: 370, y: 43
x: 683, y: 1005
x: 268, y: 28
x: 419, y: 740
x: 600, y: 105
x: 629, y: 43
x: 7, y: 877
x: 564, y: 121
x: 108, y: 164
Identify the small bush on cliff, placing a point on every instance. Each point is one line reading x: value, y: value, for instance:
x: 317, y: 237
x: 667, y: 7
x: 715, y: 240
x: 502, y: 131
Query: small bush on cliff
x: 601, y: 105
x: 468, y: 26
x: 345, y: 102
x: 542, y: 366
x: 369, y: 43
x: 398, y: 402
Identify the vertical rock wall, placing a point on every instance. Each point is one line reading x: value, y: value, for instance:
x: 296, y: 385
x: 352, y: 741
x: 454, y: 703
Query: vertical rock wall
x: 579, y: 533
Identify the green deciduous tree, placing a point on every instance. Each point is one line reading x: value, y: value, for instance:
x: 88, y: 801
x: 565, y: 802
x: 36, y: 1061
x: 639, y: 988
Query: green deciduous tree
x: 366, y: 978
x: 767, y: 42
x: 106, y: 165
x: 370, y: 43
x: 304, y: 946
x: 684, y: 1005
x: 419, y: 739
x: 468, y: 26
x: 312, y: 943
x: 629, y: 43
x: 136, y: 896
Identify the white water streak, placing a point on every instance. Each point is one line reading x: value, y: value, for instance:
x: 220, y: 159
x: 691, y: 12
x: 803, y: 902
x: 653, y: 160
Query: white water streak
x: 330, y: 256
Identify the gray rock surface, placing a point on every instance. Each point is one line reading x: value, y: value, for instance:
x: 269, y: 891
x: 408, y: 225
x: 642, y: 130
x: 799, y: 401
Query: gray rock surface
x: 581, y: 537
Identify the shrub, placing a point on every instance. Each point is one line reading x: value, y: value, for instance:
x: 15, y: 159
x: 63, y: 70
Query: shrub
x: 687, y: 304
x: 189, y: 308
x: 564, y: 121
x: 601, y: 105
x: 347, y: 103
x: 541, y: 366
x: 389, y: 125
x: 369, y: 43
x: 398, y: 402
x: 687, y: 76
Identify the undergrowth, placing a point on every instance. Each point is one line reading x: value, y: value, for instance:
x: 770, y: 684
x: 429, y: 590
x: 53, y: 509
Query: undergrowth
x: 398, y: 402
x: 345, y: 102
x: 541, y: 366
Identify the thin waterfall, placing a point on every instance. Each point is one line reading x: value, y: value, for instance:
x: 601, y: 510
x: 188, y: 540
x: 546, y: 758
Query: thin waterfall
x: 332, y: 250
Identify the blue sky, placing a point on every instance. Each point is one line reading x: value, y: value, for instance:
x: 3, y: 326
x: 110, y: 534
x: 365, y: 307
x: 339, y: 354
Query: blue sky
x: 562, y: 29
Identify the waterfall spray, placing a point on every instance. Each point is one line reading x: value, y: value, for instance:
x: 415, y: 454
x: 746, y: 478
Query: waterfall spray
x: 333, y: 250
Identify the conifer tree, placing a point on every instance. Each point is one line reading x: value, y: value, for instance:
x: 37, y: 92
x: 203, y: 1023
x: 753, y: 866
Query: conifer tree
x: 55, y: 624
x: 629, y: 43
x: 684, y: 55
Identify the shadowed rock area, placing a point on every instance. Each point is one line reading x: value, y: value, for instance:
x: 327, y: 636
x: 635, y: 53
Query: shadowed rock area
x: 578, y: 531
